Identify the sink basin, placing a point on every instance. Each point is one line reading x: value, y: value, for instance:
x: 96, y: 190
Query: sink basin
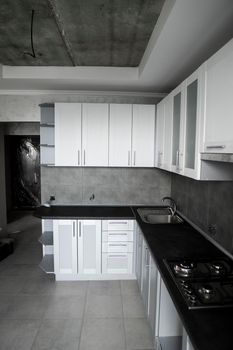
x: 158, y: 216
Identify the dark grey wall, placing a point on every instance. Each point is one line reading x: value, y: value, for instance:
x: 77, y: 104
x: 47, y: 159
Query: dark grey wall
x: 207, y: 203
x: 118, y: 186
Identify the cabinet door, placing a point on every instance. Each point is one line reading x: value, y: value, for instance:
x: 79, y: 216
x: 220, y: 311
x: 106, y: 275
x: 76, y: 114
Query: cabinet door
x: 120, y: 127
x: 95, y: 134
x: 153, y: 307
x: 194, y: 123
x: 65, y: 246
x: 145, y: 274
x: 160, y: 129
x: 167, y: 152
x: 219, y: 101
x: 68, y: 134
x: 178, y: 129
x: 139, y: 257
x: 117, y: 263
x: 89, y: 246
x: 143, y: 138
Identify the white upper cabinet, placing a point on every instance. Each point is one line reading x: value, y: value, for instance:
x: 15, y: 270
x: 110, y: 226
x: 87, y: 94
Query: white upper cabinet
x: 219, y: 101
x: 194, y: 123
x: 95, y: 134
x: 68, y: 134
x: 89, y: 247
x: 167, y: 152
x: 160, y: 131
x: 120, y: 129
x: 143, y: 138
x: 178, y: 129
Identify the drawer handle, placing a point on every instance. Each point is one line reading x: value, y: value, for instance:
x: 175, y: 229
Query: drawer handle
x: 117, y: 256
x: 118, y: 222
x: 216, y: 146
x: 118, y: 234
x: 117, y: 245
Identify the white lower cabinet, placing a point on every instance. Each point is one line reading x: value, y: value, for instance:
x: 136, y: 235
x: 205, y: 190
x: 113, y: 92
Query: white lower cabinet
x: 65, y: 248
x: 89, y: 247
x: 93, y: 249
x: 186, y: 343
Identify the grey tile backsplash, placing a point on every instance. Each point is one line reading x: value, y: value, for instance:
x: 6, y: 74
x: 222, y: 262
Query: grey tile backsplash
x: 118, y: 186
x: 207, y: 203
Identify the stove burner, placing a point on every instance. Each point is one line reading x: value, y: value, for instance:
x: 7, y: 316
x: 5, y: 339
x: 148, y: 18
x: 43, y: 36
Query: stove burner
x: 217, y: 266
x: 184, y: 268
x: 207, y: 291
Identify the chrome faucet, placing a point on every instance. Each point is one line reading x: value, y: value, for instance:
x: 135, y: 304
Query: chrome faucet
x: 173, y: 206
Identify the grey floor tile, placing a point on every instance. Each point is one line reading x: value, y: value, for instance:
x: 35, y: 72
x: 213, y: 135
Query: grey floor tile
x: 20, y: 270
x: 39, y: 286
x: 5, y: 301
x: 133, y: 306
x: 138, y: 334
x: 129, y: 288
x: 104, y: 288
x: 65, y: 307
x: 71, y: 288
x: 27, y: 307
x: 103, y: 306
x: 18, y: 334
x: 11, y: 284
x: 103, y: 334
x: 58, y: 335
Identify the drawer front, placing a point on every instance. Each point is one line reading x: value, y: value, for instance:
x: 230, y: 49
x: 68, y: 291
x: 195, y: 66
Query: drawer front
x: 117, y: 247
x: 117, y: 225
x: 118, y: 263
x: 117, y: 236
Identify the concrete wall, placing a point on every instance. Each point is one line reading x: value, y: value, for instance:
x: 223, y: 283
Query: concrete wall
x: 3, y: 219
x: 118, y: 186
x: 16, y: 108
x: 207, y: 203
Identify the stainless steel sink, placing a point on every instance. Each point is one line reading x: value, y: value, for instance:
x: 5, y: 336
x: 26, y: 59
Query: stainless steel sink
x: 158, y: 216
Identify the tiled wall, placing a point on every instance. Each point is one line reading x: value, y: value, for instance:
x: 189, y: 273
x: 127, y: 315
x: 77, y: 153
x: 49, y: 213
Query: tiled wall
x: 118, y: 186
x: 207, y: 203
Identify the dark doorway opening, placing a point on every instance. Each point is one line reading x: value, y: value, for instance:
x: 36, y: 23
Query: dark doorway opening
x: 22, y: 158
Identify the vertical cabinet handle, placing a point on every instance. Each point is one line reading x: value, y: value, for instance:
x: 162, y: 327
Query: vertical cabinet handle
x: 74, y: 229
x: 177, y: 160
x: 128, y: 157
x: 134, y: 157
x: 78, y: 157
x: 84, y: 157
x: 79, y: 228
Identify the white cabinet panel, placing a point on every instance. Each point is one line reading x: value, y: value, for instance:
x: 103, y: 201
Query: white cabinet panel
x: 219, y: 101
x: 145, y: 275
x: 186, y: 343
x: 95, y: 134
x: 117, y: 236
x: 143, y: 138
x: 117, y: 247
x: 68, y: 134
x: 167, y: 152
x: 65, y: 246
x: 138, y: 269
x: 120, y: 128
x: 117, y: 225
x: 117, y: 263
x: 153, y: 304
x: 89, y: 246
x: 160, y: 131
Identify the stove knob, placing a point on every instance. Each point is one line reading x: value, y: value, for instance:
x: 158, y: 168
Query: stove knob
x: 186, y: 285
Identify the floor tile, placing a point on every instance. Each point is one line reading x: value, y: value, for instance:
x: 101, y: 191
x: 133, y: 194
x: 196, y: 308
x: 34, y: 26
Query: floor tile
x: 103, y: 306
x: 71, y: 288
x: 27, y: 307
x: 65, y: 307
x: 133, y: 306
x: 138, y: 334
x: 20, y: 270
x: 104, y: 288
x: 39, y: 286
x: 18, y: 334
x: 103, y: 334
x: 129, y: 288
x: 11, y: 284
x: 58, y: 335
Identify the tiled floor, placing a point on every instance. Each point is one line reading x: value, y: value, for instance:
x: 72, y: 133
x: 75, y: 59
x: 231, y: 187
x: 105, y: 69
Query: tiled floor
x: 36, y: 312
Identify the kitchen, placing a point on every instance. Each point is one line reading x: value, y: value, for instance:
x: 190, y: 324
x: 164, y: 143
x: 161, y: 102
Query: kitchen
x: 114, y: 140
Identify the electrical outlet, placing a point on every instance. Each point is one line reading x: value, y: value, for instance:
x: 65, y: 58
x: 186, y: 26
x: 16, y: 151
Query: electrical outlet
x: 212, y: 229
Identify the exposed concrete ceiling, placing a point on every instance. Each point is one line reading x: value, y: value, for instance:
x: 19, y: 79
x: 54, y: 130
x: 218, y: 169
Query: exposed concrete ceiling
x: 186, y: 33
x: 76, y: 32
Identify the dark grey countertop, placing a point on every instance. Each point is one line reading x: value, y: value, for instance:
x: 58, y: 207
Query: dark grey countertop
x: 208, y: 329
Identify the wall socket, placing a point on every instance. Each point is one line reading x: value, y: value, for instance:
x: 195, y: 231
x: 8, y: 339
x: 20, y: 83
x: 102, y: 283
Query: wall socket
x: 212, y: 230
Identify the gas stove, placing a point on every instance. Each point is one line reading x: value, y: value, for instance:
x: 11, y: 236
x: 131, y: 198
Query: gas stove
x: 203, y: 282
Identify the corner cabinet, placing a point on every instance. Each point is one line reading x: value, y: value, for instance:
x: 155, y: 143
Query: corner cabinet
x: 143, y: 138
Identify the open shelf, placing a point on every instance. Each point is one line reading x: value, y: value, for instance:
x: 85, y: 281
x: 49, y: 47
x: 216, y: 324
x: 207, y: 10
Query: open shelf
x: 44, y: 125
x: 46, y: 238
x: 47, y: 263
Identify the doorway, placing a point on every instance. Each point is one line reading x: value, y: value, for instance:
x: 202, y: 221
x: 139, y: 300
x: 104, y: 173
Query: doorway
x: 22, y: 164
